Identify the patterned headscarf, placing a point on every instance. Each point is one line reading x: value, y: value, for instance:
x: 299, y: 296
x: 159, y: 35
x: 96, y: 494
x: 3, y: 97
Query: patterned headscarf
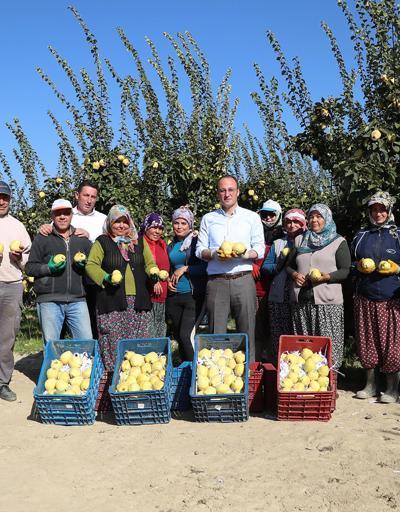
x: 300, y: 216
x: 313, y: 241
x: 124, y: 242
x: 152, y: 220
x: 183, y: 212
x: 385, y: 199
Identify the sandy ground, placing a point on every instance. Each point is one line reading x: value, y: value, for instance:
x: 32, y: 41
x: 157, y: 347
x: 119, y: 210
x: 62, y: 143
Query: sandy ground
x: 350, y: 463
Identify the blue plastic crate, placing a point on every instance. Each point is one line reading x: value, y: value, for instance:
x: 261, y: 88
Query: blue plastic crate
x: 142, y: 407
x: 222, y: 408
x: 180, y: 386
x: 65, y: 409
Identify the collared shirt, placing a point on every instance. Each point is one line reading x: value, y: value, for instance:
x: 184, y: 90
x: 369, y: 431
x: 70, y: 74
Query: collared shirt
x: 12, y: 229
x: 243, y: 226
x: 93, y: 222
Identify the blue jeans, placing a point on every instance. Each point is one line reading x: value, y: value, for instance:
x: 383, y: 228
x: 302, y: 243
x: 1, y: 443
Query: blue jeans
x: 76, y: 315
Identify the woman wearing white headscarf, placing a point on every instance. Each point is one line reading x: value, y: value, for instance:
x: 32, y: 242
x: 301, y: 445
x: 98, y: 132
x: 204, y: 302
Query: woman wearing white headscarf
x: 377, y: 297
x: 123, y: 308
x: 271, y: 218
x: 317, y: 300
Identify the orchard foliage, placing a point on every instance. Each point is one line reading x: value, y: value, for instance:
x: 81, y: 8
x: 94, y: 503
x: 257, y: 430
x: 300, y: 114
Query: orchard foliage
x: 159, y: 159
x: 356, y: 135
x: 166, y: 151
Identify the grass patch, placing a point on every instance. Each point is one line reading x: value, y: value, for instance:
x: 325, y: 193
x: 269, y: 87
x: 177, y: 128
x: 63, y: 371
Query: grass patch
x: 29, y: 338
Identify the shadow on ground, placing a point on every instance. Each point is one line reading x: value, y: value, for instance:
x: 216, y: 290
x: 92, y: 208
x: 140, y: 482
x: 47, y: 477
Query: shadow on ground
x: 30, y: 366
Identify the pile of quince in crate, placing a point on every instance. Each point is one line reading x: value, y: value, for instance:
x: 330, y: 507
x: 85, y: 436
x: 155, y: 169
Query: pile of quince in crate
x: 141, y: 372
x: 303, y: 370
x: 69, y: 375
x: 219, y: 372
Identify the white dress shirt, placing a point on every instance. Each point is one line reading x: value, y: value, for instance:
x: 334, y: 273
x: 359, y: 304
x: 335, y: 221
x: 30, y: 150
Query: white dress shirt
x: 93, y: 222
x: 242, y: 226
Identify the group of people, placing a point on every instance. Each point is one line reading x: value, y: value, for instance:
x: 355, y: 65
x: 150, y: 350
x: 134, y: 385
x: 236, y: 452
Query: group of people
x: 288, y: 280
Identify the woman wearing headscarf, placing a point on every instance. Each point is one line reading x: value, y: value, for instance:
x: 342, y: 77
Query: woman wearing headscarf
x: 318, y: 265
x: 280, y: 317
x: 271, y: 218
x: 123, y: 307
x: 187, y: 282
x: 152, y: 230
x: 377, y: 297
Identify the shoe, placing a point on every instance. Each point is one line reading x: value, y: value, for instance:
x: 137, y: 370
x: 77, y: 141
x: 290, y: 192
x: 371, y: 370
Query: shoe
x: 7, y: 394
x: 388, y: 399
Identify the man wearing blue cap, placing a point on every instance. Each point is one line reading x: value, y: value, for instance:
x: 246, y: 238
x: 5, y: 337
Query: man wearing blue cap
x: 12, y: 262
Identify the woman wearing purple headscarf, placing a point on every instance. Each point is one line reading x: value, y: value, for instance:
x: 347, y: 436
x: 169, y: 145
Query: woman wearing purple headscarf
x: 152, y: 230
x: 187, y: 282
x: 123, y: 307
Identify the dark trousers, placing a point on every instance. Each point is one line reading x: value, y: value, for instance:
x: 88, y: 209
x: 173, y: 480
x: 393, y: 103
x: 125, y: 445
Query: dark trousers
x: 91, y: 304
x: 182, y: 309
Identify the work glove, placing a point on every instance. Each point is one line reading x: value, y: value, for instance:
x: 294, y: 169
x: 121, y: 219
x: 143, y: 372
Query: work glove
x: 390, y: 271
x: 107, y: 279
x: 56, y: 268
x: 80, y: 264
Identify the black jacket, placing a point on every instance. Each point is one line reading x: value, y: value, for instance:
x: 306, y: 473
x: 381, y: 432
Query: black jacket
x: 66, y: 286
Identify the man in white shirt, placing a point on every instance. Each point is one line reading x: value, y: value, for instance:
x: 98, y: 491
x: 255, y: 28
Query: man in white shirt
x: 230, y: 287
x: 88, y: 221
x: 85, y: 216
x: 12, y: 262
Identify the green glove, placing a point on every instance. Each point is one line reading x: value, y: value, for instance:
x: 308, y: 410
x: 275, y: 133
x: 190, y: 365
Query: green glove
x: 107, y: 279
x: 55, y: 268
x: 80, y: 264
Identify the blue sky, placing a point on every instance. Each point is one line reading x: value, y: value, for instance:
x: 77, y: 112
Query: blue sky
x: 231, y: 33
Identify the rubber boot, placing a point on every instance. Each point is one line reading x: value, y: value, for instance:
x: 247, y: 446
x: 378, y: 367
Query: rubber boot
x: 370, y: 387
x: 391, y: 395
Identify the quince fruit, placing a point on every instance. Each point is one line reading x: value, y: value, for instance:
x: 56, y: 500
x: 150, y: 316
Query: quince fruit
x: 116, y: 277
x: 238, y: 248
x: 87, y: 373
x: 59, y: 258
x: 163, y: 275
x: 376, y: 135
x: 79, y: 257
x: 66, y: 357
x: 315, y: 274
x: 237, y: 385
x: 16, y: 246
x: 384, y: 265
x: 368, y: 264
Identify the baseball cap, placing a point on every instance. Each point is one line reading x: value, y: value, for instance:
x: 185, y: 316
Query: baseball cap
x: 271, y: 206
x: 60, y: 204
x: 5, y: 188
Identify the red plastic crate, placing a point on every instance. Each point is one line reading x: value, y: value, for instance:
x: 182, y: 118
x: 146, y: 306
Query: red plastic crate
x: 305, y: 406
x: 270, y: 390
x: 334, y: 390
x: 256, y: 399
x: 103, y: 401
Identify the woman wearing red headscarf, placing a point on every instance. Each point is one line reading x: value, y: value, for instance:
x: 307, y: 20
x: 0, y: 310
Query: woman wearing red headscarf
x: 294, y: 224
x: 152, y: 230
